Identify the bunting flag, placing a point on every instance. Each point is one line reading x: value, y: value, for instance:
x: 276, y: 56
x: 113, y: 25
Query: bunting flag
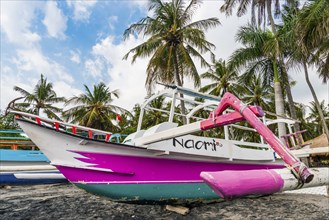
x: 118, y: 117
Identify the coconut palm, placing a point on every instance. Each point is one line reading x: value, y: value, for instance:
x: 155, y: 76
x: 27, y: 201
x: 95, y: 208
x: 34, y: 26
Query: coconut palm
x: 173, y: 40
x: 256, y: 91
x: 259, y: 54
x: 94, y: 108
x: 43, y: 98
x: 256, y: 6
x: 153, y: 116
x: 262, y: 10
x: 312, y: 26
x: 129, y: 121
x: 301, y: 51
x: 222, y: 78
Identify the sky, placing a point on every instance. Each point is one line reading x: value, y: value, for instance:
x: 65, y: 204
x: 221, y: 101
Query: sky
x: 77, y: 43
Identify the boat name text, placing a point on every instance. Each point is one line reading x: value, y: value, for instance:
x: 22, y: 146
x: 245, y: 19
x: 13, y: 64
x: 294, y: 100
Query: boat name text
x: 190, y: 143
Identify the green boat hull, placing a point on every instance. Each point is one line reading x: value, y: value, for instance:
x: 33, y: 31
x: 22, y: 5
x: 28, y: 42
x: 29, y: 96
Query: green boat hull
x: 154, y: 193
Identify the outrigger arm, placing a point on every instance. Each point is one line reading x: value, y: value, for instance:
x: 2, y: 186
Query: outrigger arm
x: 300, y: 170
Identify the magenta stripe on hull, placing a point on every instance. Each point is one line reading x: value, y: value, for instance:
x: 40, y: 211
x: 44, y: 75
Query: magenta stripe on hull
x: 133, y: 169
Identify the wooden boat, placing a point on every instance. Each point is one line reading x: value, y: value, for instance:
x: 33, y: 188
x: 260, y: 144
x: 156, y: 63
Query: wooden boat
x: 22, y: 166
x: 164, y: 162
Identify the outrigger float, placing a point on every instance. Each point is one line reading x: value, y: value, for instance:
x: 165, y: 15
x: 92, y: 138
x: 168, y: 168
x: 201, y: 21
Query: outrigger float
x: 166, y: 163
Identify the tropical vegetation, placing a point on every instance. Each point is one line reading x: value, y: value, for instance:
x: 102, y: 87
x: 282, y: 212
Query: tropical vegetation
x: 94, y: 108
x: 42, y: 98
x: 222, y: 78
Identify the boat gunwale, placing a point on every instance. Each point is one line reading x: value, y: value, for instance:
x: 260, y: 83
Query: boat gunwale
x: 77, y: 136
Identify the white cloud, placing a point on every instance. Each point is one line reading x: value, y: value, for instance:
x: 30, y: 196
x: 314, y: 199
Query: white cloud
x: 64, y: 89
x: 301, y: 91
x: 82, y: 9
x: 94, y: 67
x: 112, y: 21
x: 34, y: 62
x: 16, y: 21
x: 61, y: 87
x: 18, y: 18
x: 128, y: 78
x: 75, y: 56
x: 7, y: 84
x: 54, y: 20
x: 28, y: 65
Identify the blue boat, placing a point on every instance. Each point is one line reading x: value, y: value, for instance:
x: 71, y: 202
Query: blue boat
x: 18, y: 165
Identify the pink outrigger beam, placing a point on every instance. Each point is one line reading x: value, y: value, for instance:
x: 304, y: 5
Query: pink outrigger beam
x: 230, y: 184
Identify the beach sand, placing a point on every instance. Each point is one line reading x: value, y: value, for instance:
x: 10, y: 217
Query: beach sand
x: 65, y: 201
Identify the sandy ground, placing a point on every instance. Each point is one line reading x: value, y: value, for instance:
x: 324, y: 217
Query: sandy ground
x: 65, y: 201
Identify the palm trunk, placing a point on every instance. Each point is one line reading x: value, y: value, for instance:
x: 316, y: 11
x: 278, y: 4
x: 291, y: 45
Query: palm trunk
x: 292, y: 108
x: 279, y: 104
x: 317, y: 104
x: 179, y: 83
x: 279, y: 109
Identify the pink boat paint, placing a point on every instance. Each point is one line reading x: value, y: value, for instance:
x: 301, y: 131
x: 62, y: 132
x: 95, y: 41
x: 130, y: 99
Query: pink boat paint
x: 231, y: 184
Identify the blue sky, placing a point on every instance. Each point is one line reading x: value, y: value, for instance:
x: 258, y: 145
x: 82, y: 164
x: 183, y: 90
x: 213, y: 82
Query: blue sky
x: 80, y: 42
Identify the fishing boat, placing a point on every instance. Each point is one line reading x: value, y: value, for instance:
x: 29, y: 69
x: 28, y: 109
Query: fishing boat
x: 22, y: 163
x: 162, y: 163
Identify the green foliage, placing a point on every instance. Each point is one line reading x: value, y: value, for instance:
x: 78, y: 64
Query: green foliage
x: 43, y: 97
x: 7, y: 122
x: 94, y: 109
x: 222, y: 77
x: 312, y: 26
x: 256, y: 91
x: 174, y: 39
x: 259, y: 9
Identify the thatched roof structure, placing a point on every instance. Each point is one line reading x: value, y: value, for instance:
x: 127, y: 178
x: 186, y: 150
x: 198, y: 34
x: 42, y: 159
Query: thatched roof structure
x: 320, y: 141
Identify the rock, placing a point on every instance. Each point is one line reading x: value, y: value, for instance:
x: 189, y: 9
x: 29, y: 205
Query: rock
x: 7, y: 187
x: 178, y: 209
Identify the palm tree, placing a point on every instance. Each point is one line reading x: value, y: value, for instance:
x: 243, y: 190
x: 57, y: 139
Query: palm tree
x: 264, y: 13
x: 301, y: 51
x: 129, y: 121
x: 94, y: 108
x: 173, y: 40
x: 43, y: 97
x: 155, y: 117
x: 222, y: 78
x: 256, y: 91
x: 259, y: 54
x: 260, y: 10
x: 313, y: 29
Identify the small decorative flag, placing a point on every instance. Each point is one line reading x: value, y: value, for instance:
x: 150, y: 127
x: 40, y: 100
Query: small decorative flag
x: 118, y: 117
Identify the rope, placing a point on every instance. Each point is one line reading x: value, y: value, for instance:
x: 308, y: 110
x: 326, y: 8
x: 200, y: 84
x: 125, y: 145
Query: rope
x: 243, y: 107
x: 298, y: 175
